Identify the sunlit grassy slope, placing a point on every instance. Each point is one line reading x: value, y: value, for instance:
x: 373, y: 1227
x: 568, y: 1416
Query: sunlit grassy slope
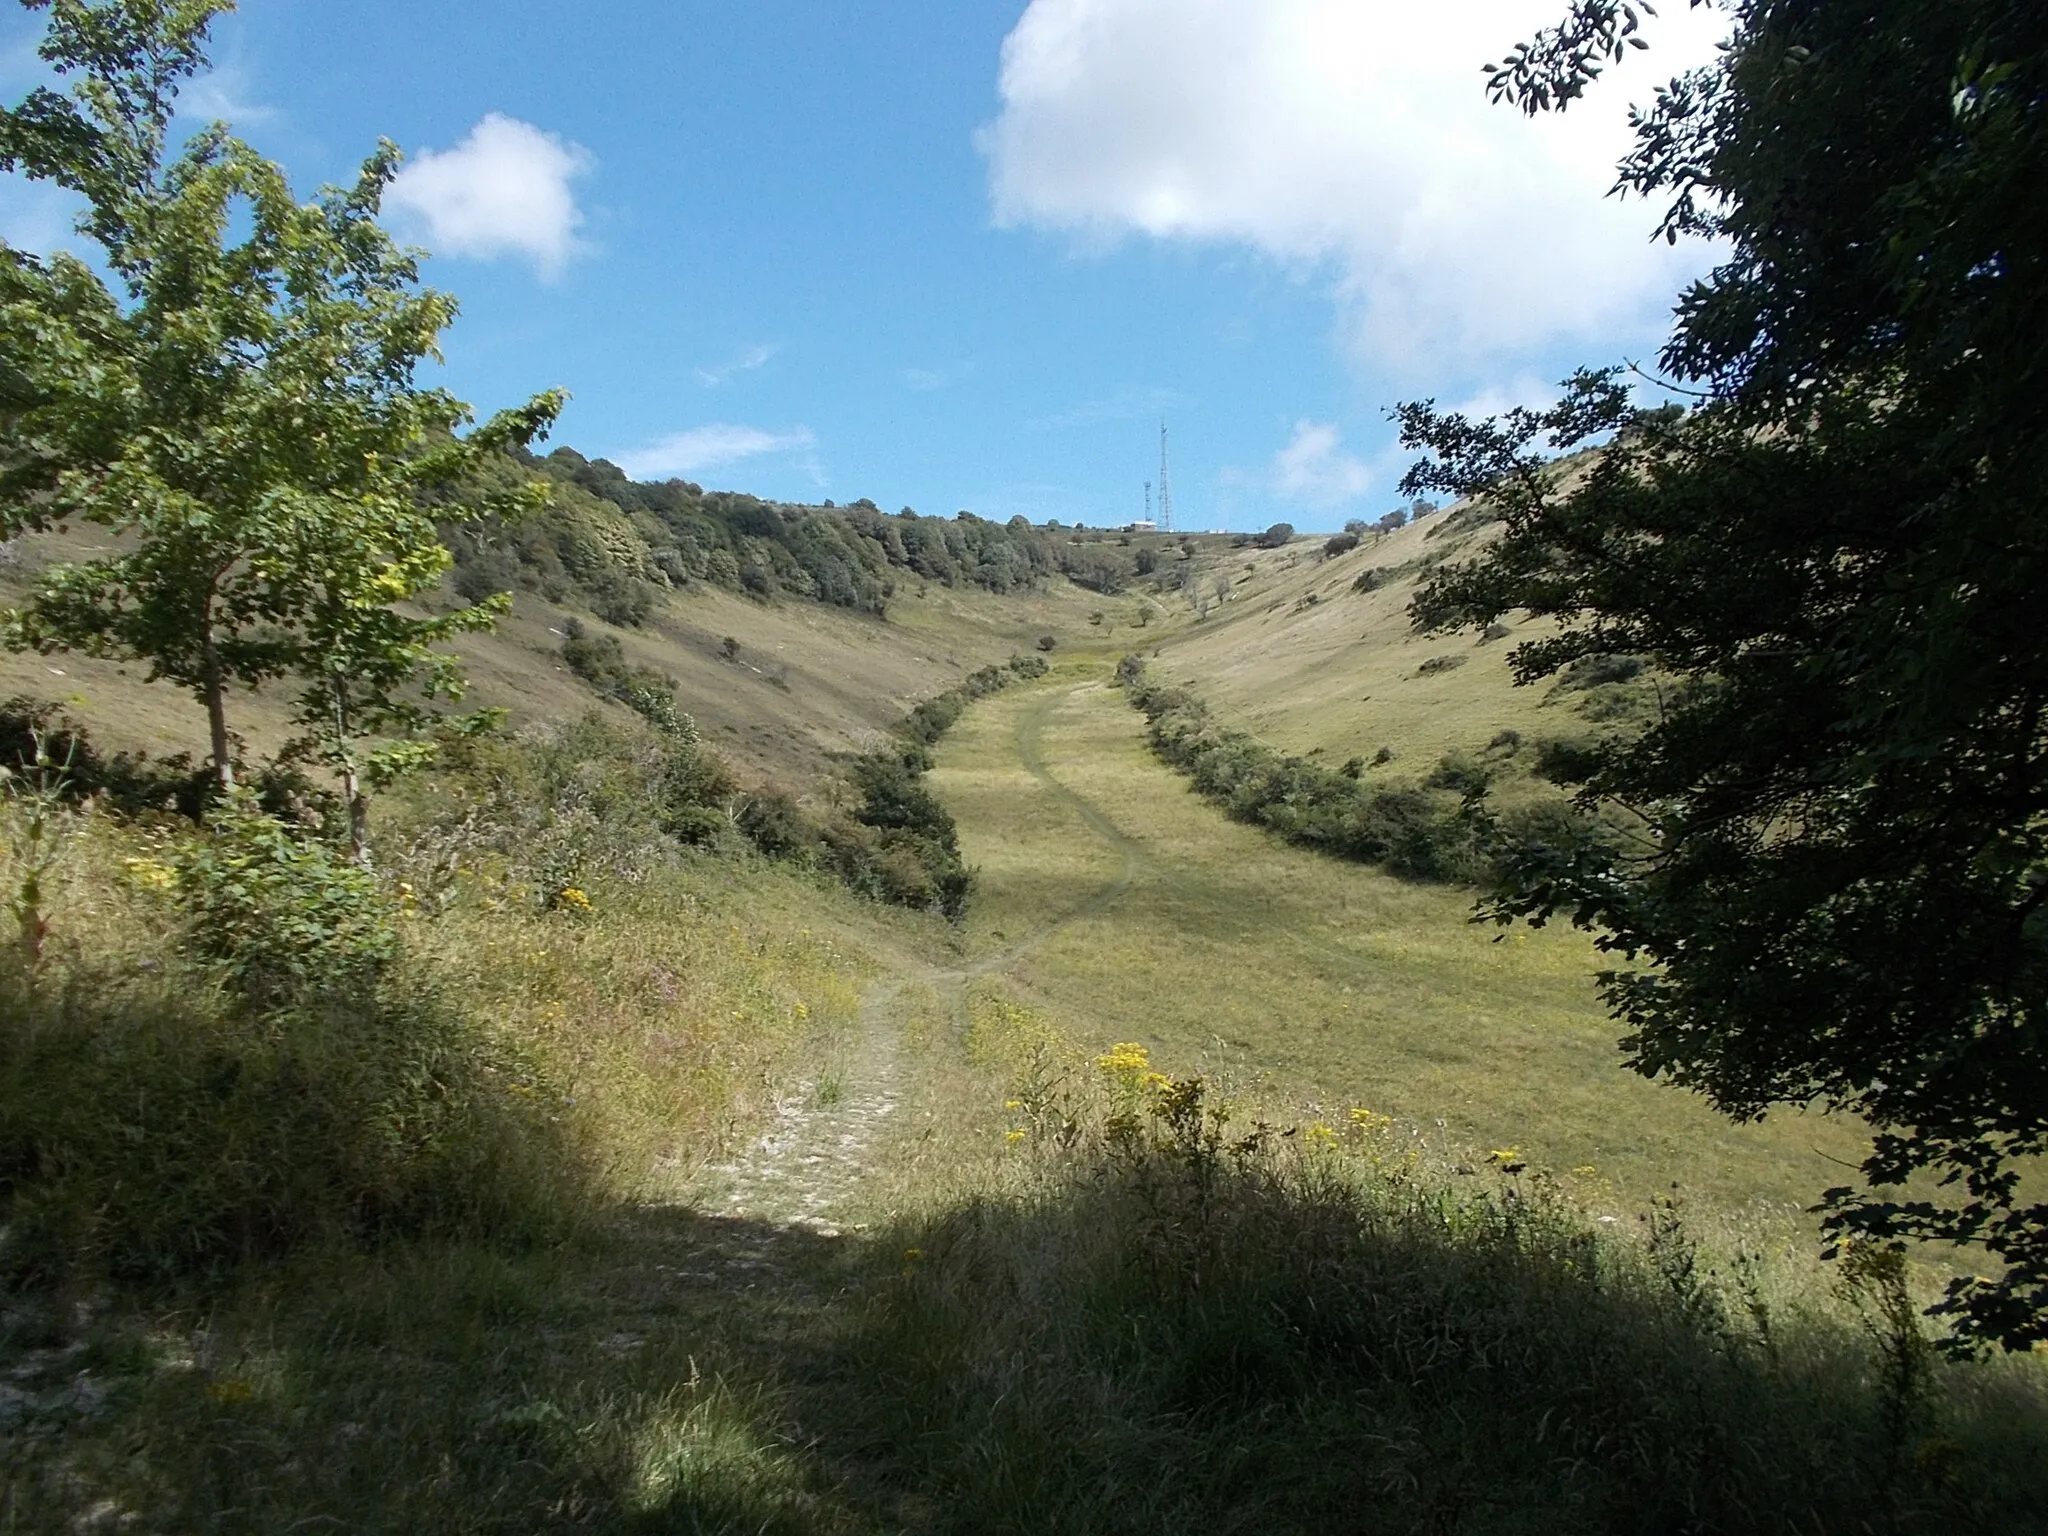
x: 807, y: 679
x: 1300, y: 658
x: 1310, y: 984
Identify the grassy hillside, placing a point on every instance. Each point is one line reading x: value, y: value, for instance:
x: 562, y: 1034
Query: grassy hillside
x: 807, y: 678
x: 1315, y: 985
x: 583, y: 1169
x: 1301, y: 656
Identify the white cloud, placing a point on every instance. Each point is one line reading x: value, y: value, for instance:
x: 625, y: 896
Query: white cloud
x: 1351, y: 137
x: 502, y: 191
x: 1314, y: 469
x: 710, y: 447
x: 747, y: 361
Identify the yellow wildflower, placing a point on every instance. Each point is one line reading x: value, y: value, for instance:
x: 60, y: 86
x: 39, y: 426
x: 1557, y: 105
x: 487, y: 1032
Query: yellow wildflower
x: 572, y: 898
x: 231, y: 1390
x: 151, y: 875
x: 1013, y: 1137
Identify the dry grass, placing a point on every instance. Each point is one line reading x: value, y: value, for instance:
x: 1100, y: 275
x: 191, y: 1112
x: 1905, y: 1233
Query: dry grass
x: 808, y: 680
x: 1342, y: 675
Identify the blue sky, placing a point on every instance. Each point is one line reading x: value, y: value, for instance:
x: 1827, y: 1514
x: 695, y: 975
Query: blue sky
x: 969, y: 254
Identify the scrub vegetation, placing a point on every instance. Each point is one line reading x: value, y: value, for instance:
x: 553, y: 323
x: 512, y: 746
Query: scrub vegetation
x: 801, y: 1073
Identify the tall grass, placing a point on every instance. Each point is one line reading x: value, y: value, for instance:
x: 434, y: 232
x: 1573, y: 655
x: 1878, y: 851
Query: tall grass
x: 1158, y: 1316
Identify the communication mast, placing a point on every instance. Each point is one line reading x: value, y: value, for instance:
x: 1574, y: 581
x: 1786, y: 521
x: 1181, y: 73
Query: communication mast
x: 1165, y: 486
x: 1148, y: 501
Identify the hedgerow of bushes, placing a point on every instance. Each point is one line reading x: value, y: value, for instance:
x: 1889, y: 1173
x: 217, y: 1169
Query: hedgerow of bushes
x: 896, y: 842
x: 1417, y: 832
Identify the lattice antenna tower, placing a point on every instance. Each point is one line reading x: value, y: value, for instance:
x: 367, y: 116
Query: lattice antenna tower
x: 1148, y: 501
x: 1165, y: 486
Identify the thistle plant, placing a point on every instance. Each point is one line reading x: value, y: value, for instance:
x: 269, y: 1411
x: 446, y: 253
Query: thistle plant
x: 35, y: 834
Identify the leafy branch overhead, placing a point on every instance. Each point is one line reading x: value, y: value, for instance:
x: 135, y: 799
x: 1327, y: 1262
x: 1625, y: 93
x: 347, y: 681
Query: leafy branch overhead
x: 1835, y: 563
x: 240, y: 408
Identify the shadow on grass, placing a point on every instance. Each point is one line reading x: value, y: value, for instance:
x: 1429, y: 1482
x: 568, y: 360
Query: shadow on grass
x: 1147, y: 1345
x: 1127, y: 1348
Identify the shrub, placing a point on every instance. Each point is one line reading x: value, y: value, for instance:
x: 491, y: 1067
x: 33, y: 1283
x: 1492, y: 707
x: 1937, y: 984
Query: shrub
x: 1447, y: 662
x: 774, y: 824
x: 130, y: 781
x: 1565, y: 762
x: 1495, y: 632
x: 1370, y: 579
x: 1594, y: 671
x: 1275, y: 537
x: 1414, y: 833
x: 1047, y: 642
x: 283, y: 921
x: 1461, y: 773
x: 1508, y: 741
x: 270, y: 1071
x: 1340, y: 544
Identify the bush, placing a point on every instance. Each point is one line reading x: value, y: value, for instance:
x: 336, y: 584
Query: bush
x: 1565, y: 762
x: 1047, y: 642
x: 1370, y: 579
x: 1448, y: 662
x: 1275, y: 537
x: 1412, y: 832
x: 1596, y: 671
x: 283, y: 921
x: 1461, y: 773
x: 1340, y: 544
x: 130, y: 781
x: 774, y: 824
x: 273, y: 1072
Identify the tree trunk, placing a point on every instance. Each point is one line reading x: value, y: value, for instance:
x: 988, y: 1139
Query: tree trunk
x: 358, y: 817
x: 217, y: 722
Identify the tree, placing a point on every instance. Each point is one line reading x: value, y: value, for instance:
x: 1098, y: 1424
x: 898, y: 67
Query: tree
x: 1275, y: 537
x: 1836, y: 563
x: 240, y: 412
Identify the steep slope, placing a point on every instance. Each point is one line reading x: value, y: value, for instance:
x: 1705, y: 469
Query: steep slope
x: 805, y: 678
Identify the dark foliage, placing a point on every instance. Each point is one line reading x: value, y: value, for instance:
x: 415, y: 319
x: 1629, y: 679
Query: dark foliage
x: 1840, y: 556
x: 849, y: 557
x: 1275, y: 537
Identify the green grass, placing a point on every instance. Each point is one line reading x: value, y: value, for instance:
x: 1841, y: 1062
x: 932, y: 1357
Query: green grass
x: 1314, y: 984
x: 1051, y: 1308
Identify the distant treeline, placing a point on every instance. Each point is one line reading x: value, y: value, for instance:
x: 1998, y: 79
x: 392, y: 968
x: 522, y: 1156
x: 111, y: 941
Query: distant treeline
x: 614, y: 543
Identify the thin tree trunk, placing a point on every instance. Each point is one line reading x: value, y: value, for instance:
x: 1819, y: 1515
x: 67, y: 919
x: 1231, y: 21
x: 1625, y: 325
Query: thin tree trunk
x: 217, y: 721
x: 358, y: 816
